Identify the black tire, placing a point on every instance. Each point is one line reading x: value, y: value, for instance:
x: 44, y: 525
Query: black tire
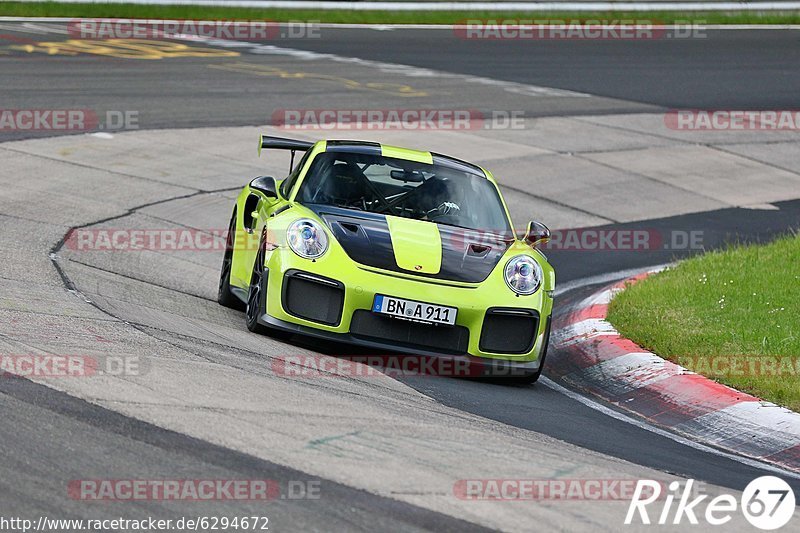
x: 533, y: 378
x: 256, y: 293
x: 257, y: 297
x: 224, y: 295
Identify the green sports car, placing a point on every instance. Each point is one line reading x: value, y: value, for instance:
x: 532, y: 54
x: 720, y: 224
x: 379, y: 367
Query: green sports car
x: 392, y: 249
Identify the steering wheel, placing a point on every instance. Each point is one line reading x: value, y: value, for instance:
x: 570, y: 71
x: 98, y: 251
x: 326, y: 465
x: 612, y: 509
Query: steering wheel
x: 453, y: 220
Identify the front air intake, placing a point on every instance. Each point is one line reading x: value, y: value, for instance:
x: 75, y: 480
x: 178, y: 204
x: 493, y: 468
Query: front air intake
x: 509, y: 331
x: 313, y: 297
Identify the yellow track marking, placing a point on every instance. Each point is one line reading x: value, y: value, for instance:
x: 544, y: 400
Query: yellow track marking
x: 123, y: 48
x: 395, y: 89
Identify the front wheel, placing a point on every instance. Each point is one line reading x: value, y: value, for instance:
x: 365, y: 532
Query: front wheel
x: 224, y: 295
x: 255, y: 294
x: 257, y: 298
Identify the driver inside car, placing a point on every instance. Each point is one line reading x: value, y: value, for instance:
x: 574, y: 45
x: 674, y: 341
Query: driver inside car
x: 343, y: 183
x: 340, y: 183
x: 440, y: 200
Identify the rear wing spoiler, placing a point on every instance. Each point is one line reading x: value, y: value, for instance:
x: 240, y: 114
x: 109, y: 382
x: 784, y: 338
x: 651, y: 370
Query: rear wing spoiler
x: 282, y: 143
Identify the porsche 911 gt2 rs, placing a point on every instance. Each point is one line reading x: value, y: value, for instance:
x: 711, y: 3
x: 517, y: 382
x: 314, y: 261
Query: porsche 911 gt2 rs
x: 392, y: 249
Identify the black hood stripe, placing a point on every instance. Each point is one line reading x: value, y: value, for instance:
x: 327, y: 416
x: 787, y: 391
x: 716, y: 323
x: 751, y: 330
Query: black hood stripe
x: 467, y: 256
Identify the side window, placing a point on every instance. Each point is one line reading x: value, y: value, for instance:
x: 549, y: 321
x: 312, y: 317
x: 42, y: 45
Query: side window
x: 250, y: 205
x: 288, y: 183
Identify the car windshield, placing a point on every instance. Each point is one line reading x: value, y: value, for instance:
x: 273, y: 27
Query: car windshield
x: 391, y: 186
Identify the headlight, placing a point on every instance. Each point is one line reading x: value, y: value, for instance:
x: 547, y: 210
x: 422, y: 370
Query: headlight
x: 523, y: 274
x: 307, y: 239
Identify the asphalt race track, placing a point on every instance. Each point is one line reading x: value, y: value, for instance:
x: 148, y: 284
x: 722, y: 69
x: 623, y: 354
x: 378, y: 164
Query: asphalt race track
x: 728, y: 69
x: 594, y: 152
x: 668, y: 72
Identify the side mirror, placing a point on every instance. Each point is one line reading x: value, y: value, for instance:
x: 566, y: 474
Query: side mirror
x: 265, y: 185
x: 536, y: 233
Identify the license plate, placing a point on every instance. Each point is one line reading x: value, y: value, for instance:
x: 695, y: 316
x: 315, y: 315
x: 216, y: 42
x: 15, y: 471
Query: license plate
x: 411, y: 310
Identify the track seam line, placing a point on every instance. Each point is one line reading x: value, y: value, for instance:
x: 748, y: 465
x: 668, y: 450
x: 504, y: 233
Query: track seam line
x: 143, y: 327
x: 655, y: 180
x: 25, y: 219
x: 557, y: 202
x: 179, y: 224
x: 717, y: 146
x: 754, y: 160
x: 587, y: 119
x: 146, y: 282
x: 99, y: 169
x: 39, y: 313
x: 257, y: 355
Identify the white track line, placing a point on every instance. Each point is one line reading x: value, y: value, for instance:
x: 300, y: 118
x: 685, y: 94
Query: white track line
x: 259, y: 48
x: 547, y: 382
x: 384, y: 27
x: 597, y: 406
x: 606, y: 278
x: 523, y: 89
x: 463, y: 6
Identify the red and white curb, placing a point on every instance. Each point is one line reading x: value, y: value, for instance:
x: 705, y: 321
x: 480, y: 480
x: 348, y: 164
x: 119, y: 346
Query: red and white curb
x: 605, y: 364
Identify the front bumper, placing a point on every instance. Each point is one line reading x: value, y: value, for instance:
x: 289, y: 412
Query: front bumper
x: 341, y: 311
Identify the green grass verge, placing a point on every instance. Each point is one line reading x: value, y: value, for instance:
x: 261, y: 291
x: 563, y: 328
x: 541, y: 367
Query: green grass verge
x: 56, y: 9
x: 731, y: 315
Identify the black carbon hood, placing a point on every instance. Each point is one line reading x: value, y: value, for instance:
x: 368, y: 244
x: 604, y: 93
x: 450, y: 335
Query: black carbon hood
x: 467, y: 255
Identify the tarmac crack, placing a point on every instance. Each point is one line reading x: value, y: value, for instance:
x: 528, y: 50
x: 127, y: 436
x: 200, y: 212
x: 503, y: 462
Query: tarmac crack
x: 719, y: 148
x: 140, y: 280
x: 557, y: 203
x: 654, y: 180
x: 100, y: 169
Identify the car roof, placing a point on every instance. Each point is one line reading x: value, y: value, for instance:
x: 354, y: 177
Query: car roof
x: 368, y: 147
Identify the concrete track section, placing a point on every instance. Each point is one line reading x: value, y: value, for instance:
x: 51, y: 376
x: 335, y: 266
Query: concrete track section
x: 203, y: 398
x: 214, y: 387
x: 71, y: 440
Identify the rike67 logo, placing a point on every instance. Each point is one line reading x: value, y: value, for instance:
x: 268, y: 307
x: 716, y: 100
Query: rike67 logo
x: 767, y: 502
